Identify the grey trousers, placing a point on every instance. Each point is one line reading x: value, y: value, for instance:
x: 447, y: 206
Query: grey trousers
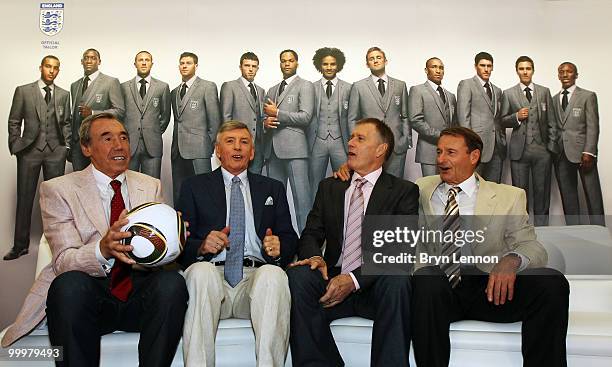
x: 143, y: 162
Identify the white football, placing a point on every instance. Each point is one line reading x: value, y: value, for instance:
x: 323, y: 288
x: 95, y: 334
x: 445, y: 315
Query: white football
x: 158, y: 234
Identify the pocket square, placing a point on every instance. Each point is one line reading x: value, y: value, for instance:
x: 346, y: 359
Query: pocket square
x: 269, y: 201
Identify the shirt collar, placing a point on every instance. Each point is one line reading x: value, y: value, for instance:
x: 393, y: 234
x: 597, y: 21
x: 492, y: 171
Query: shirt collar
x: 92, y: 76
x: 42, y: 84
x: 102, y: 180
x: 246, y: 82
x: 147, y: 78
x: 570, y: 89
x: 371, y: 177
x: 384, y: 77
x: 190, y: 81
x: 468, y: 186
x: 290, y: 79
x: 227, y: 177
x: 482, y: 82
x: 433, y: 85
x: 324, y: 82
x: 523, y: 86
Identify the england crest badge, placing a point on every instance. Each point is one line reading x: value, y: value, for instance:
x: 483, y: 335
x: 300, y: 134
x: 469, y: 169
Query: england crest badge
x: 397, y: 100
x: 193, y: 104
x: 290, y: 99
x: 99, y: 97
x: 51, y: 18
x: 155, y: 102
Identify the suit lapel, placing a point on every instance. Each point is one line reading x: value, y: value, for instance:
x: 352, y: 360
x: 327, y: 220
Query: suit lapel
x: 427, y: 193
x: 149, y: 95
x: 90, y: 94
x: 484, y: 95
x: 217, y: 191
x: 375, y: 92
x: 247, y: 95
x: 380, y: 194
x: 436, y: 98
x: 339, y: 191
x: 388, y: 94
x: 318, y: 95
x: 87, y: 191
x: 258, y: 198
x: 288, y: 89
x: 486, y: 200
x: 339, y: 93
x: 136, y: 94
x: 135, y: 190
x: 190, y: 90
x: 39, y: 102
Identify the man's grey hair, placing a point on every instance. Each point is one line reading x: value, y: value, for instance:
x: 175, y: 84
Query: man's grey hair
x: 84, y: 130
x: 232, y: 125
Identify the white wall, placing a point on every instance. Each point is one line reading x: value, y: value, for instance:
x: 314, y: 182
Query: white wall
x: 220, y: 31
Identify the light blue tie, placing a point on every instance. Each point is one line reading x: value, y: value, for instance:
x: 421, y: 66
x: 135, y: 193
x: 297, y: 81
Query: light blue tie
x: 235, y: 254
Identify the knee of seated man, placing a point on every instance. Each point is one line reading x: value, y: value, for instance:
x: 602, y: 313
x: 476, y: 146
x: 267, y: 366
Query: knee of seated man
x: 302, y: 278
x: 271, y: 277
x: 70, y: 289
x: 169, y: 286
x: 551, y: 282
x: 201, y: 271
x: 396, y: 284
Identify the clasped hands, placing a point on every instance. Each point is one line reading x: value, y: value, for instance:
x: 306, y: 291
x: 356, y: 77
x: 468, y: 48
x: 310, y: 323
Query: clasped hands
x: 338, y: 288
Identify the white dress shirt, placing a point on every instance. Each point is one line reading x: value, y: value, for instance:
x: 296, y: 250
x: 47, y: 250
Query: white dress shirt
x: 147, y: 84
x: 334, y: 84
x: 42, y: 85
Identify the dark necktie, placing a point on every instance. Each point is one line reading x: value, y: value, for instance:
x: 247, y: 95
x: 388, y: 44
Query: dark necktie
x: 281, y: 89
x: 451, y: 223
x: 85, y: 84
x: 183, y: 90
x: 253, y: 93
x: 143, y: 88
x: 564, y: 101
x: 328, y: 90
x: 528, y: 94
x: 47, y: 94
x: 487, y: 86
x: 381, y: 87
x: 121, y: 281
x: 441, y: 93
x: 234, y: 257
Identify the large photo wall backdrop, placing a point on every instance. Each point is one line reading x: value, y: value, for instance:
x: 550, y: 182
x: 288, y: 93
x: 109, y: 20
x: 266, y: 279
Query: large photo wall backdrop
x: 549, y: 31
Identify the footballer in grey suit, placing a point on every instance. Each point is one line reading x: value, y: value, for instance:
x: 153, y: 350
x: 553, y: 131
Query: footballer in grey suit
x: 147, y: 114
x: 482, y: 113
x: 388, y: 103
x: 243, y: 100
x: 431, y: 109
x: 195, y: 106
x: 577, y: 138
x: 42, y: 111
x: 93, y: 93
x: 289, y: 107
x: 527, y: 109
x: 328, y: 133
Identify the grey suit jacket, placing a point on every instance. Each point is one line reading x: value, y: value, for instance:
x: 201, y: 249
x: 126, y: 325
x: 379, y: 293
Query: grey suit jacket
x: 102, y: 95
x: 73, y: 222
x: 428, y: 117
x: 578, y: 125
x: 476, y: 111
x: 30, y: 107
x: 238, y: 104
x: 196, y: 120
x: 366, y: 101
x: 514, y: 99
x: 149, y: 117
x: 343, y: 93
x: 501, y: 209
x: 295, y: 110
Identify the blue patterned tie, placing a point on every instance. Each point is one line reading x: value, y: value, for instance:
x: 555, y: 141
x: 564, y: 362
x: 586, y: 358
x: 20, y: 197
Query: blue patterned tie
x: 235, y: 254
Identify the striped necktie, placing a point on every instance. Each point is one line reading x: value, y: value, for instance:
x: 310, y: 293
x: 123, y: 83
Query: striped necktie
x: 351, y: 256
x: 451, y: 223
